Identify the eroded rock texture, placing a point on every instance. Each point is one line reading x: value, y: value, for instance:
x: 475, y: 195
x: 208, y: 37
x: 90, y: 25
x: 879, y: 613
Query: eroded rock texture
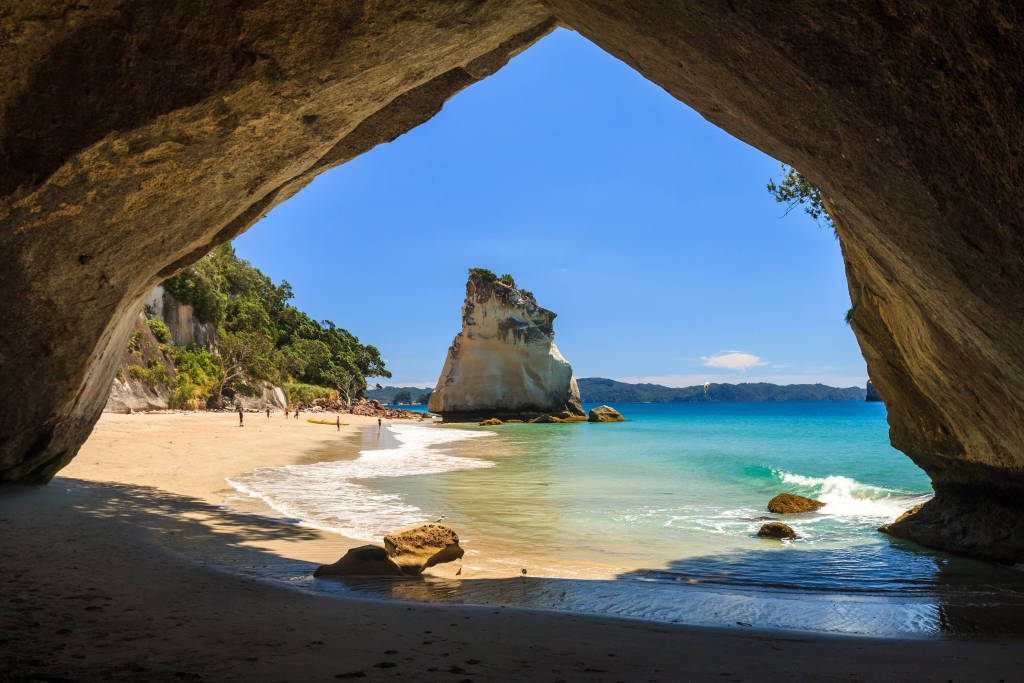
x: 504, y: 362
x: 136, y: 135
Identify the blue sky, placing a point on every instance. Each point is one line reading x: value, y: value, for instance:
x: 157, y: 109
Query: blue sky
x: 647, y: 229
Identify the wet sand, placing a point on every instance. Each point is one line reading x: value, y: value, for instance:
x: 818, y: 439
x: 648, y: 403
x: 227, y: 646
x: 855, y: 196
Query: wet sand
x: 99, y: 584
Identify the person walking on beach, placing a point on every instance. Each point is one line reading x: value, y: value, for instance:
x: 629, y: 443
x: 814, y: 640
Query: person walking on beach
x: 286, y: 412
x: 378, y: 426
x: 296, y: 413
x: 337, y: 421
x: 268, y: 412
x: 241, y: 416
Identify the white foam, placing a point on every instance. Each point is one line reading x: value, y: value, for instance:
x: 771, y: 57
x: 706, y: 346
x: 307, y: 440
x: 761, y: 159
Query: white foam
x: 846, y: 497
x: 326, y: 495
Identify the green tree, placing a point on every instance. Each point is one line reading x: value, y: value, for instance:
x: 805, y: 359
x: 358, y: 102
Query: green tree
x: 794, y: 189
x: 402, y: 397
x: 242, y: 353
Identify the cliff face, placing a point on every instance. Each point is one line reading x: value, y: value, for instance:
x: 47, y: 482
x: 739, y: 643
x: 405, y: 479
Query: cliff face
x: 504, y: 362
x: 186, y: 329
x: 146, y: 375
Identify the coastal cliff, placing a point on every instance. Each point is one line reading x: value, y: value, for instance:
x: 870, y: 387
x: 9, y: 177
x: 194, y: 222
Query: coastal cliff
x: 504, y: 362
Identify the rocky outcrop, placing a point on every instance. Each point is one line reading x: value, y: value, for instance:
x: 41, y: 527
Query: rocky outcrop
x: 135, y: 136
x: 605, y: 414
x: 145, y: 376
x: 789, y: 503
x: 871, y: 394
x: 776, y: 530
x: 366, y: 560
x: 420, y: 546
x: 504, y: 362
x: 186, y: 329
x: 269, y: 396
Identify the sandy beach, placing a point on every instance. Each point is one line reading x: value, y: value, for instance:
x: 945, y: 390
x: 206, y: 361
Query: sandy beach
x: 94, y: 590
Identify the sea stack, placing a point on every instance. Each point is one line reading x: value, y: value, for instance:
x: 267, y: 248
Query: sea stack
x: 504, y: 363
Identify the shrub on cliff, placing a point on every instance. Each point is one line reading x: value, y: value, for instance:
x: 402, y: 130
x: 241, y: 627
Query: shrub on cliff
x: 794, y: 189
x: 159, y: 329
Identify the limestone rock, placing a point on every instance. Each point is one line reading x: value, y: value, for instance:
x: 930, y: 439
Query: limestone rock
x: 366, y: 560
x: 419, y: 546
x: 788, y: 503
x: 605, y: 414
x: 871, y: 394
x: 776, y: 530
x: 490, y: 422
x: 504, y: 362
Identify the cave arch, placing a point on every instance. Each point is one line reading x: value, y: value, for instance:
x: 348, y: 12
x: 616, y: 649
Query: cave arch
x: 136, y: 135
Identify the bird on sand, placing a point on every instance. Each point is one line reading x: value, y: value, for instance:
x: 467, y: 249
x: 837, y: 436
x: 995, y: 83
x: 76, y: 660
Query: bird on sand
x: 440, y: 519
x: 523, y: 570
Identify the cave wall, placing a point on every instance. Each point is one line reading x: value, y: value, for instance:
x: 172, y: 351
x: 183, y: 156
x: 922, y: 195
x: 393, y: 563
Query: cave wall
x: 137, y: 134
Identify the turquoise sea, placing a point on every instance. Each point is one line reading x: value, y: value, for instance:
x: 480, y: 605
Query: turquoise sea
x: 656, y: 518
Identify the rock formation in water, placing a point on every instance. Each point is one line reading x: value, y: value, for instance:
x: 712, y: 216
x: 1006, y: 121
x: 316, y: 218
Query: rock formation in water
x: 789, y: 503
x: 871, y: 394
x: 776, y: 530
x: 504, y: 362
x: 134, y: 138
x: 605, y: 414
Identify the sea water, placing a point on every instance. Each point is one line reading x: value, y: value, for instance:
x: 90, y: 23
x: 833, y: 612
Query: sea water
x: 656, y: 518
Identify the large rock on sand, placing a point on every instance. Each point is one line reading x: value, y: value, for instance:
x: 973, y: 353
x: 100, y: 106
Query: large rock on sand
x: 788, y: 503
x: 419, y: 546
x: 504, y: 362
x: 604, y: 414
x: 776, y: 530
x: 366, y: 560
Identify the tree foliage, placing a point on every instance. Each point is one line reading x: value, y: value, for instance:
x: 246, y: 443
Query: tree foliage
x: 794, y: 189
x: 262, y: 336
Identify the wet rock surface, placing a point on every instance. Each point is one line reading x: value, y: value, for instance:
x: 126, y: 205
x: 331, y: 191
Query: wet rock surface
x: 788, y: 503
x: 366, y: 560
x: 776, y: 530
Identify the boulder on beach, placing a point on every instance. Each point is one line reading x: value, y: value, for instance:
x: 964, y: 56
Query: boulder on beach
x: 545, y: 419
x: 788, y: 503
x: 419, y: 546
x: 490, y: 422
x: 776, y: 530
x: 604, y: 414
x: 366, y: 560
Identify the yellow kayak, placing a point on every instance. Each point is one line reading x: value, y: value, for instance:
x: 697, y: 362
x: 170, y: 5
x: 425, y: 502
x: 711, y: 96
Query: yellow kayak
x: 325, y: 422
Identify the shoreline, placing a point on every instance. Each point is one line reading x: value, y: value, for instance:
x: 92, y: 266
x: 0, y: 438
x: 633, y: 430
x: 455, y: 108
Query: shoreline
x: 93, y: 594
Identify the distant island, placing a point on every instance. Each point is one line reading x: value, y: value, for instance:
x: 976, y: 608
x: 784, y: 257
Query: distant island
x: 602, y: 390
x: 396, y: 395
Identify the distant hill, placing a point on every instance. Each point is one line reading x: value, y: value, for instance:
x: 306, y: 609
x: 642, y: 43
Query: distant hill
x: 601, y: 390
x: 387, y: 394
